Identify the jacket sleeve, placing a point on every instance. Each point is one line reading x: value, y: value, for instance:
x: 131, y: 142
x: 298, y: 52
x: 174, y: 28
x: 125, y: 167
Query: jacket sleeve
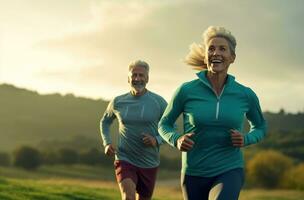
x: 256, y: 120
x: 166, y: 126
x: 106, y: 122
x: 163, y: 105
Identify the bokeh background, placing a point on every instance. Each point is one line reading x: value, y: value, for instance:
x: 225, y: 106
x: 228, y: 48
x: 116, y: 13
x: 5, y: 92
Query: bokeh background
x: 62, y: 61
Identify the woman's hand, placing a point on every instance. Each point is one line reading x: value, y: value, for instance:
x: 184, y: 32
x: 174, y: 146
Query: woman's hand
x: 237, y: 138
x: 184, y: 143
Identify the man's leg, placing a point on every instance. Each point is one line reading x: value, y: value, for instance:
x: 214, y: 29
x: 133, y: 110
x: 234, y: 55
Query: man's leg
x: 146, y: 182
x: 126, y: 178
x: 127, y: 189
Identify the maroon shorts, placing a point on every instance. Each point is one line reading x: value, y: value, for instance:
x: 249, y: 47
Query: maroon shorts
x: 144, y: 178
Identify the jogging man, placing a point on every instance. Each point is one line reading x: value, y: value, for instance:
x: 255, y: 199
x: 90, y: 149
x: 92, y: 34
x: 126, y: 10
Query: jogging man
x: 137, y: 154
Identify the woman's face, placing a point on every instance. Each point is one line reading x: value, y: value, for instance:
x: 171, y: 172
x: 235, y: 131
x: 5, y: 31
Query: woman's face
x: 218, y: 55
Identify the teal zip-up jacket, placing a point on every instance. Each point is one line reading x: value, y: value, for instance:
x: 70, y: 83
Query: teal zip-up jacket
x: 211, y: 118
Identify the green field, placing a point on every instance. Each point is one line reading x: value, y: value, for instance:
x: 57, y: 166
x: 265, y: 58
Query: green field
x: 67, y: 189
x: 92, y: 183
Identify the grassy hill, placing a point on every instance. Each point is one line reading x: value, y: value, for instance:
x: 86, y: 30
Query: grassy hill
x: 54, y: 121
x: 29, y: 118
x: 80, y: 182
x: 13, y: 189
x: 16, y: 189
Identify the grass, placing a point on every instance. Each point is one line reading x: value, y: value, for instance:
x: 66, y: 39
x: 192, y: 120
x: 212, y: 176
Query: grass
x: 74, y: 171
x: 90, y: 183
x: 66, y: 171
x: 14, y: 189
x: 70, y: 189
x: 256, y: 194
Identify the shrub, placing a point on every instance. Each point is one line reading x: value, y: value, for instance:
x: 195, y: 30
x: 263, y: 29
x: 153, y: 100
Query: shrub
x: 27, y: 158
x: 267, y: 168
x: 5, y: 159
x: 294, y: 178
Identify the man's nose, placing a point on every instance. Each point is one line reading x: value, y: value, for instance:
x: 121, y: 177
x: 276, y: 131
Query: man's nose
x: 136, y: 78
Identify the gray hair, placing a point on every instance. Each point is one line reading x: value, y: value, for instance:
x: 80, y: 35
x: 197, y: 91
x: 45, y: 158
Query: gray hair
x: 196, y: 56
x: 139, y: 63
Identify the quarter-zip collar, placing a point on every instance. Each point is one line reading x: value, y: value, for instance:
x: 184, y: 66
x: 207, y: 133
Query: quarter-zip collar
x: 202, y: 75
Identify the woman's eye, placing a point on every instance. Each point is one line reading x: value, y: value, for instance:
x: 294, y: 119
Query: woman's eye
x: 211, y: 49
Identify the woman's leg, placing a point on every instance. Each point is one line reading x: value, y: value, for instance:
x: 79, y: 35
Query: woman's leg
x: 227, y: 186
x: 195, y: 188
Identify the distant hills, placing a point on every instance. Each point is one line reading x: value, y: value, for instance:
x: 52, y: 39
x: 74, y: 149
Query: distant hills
x: 54, y: 120
x: 29, y: 118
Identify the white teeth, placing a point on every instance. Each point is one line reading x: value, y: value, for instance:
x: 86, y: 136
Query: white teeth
x: 216, y: 61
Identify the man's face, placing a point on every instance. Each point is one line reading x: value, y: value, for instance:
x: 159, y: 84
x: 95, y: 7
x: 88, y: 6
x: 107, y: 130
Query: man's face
x: 138, y: 78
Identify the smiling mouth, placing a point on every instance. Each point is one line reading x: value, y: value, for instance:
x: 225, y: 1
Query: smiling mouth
x: 216, y: 61
x: 137, y: 83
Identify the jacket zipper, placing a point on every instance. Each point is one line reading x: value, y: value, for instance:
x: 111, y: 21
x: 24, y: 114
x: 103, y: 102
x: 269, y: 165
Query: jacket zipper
x: 218, y: 103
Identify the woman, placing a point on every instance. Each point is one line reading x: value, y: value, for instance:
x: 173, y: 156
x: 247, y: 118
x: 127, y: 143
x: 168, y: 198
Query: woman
x: 213, y: 108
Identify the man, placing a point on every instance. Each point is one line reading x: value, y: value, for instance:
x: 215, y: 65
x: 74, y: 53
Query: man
x: 137, y: 155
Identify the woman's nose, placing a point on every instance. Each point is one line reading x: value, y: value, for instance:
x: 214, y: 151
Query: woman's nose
x: 216, y: 52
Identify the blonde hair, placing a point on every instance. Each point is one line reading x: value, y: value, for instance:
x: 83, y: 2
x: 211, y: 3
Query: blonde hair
x: 196, y: 56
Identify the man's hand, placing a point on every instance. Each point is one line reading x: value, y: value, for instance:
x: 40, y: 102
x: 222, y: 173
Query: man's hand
x: 149, y: 140
x: 184, y: 143
x: 110, y: 150
x: 237, y: 138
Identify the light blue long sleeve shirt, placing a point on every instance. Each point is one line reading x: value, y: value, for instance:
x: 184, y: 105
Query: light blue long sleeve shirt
x: 211, y: 118
x: 136, y: 115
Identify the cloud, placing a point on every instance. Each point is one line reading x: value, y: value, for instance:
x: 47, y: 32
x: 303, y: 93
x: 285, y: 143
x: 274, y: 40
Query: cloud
x: 268, y: 33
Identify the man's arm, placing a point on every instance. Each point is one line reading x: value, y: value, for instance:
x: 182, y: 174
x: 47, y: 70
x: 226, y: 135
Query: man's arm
x: 105, y: 124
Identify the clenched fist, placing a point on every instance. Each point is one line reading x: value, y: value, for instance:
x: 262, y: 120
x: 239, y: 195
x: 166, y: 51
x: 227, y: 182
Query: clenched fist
x: 184, y: 143
x: 149, y: 140
x: 237, y: 138
x: 110, y: 150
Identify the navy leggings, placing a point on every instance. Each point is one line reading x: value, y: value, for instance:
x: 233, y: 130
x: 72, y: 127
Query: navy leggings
x: 226, y: 186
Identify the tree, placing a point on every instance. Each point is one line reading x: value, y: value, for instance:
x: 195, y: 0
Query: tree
x: 91, y: 157
x: 50, y: 157
x: 68, y: 156
x: 27, y: 158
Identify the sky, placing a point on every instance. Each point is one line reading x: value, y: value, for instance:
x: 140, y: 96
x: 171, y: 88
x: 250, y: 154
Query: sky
x: 84, y: 46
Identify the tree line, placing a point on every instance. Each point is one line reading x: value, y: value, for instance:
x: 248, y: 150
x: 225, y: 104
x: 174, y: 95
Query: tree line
x: 31, y: 158
x: 265, y: 169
